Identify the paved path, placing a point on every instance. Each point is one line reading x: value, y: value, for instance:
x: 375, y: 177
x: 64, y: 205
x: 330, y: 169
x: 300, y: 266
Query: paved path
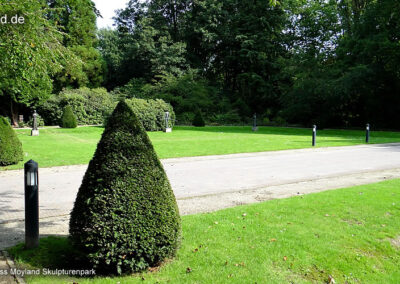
x: 212, y: 175
x: 205, y: 184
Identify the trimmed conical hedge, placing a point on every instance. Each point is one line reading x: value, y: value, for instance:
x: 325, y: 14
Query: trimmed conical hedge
x: 125, y: 216
x: 198, y: 119
x: 68, y: 118
x: 10, y: 146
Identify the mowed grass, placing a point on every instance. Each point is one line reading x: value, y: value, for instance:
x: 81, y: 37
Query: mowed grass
x: 352, y: 235
x: 59, y: 147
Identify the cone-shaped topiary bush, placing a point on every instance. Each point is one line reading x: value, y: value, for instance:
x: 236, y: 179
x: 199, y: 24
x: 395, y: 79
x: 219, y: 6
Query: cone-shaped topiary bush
x: 198, y: 119
x: 68, y: 119
x: 10, y: 146
x: 125, y: 216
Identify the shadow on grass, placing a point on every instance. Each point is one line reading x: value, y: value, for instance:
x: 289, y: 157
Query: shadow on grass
x: 54, y: 252
x: 284, y: 130
x: 245, y: 130
x: 345, y: 136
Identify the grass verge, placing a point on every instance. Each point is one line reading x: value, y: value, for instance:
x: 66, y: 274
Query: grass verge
x: 349, y: 234
x: 61, y: 147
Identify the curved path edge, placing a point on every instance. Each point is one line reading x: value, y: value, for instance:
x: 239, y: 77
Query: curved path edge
x: 12, y: 232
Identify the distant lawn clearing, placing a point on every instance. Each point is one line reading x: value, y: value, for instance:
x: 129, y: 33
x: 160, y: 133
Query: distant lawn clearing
x: 60, y: 147
x: 351, y: 234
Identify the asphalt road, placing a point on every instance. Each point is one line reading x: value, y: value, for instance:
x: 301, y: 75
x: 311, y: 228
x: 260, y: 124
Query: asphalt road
x: 212, y: 175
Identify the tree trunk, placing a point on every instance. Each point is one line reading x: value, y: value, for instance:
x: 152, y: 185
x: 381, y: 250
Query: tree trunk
x: 14, y: 113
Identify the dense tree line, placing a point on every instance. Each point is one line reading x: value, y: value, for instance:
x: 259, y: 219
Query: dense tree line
x: 334, y: 63
x: 331, y: 63
x: 345, y: 67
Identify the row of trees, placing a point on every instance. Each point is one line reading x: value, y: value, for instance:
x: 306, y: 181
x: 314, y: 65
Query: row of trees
x: 335, y: 63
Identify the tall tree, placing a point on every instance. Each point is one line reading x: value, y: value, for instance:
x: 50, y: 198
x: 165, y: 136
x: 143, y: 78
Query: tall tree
x: 146, y: 51
x: 352, y: 76
x: 77, y: 19
x: 30, y: 54
x: 239, y: 42
x: 112, y: 53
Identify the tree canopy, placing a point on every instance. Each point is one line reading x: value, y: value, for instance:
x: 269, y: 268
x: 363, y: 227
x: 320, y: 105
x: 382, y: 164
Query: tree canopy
x: 30, y: 54
x: 333, y: 63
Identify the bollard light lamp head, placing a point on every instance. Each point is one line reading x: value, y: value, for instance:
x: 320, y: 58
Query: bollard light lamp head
x: 31, y: 173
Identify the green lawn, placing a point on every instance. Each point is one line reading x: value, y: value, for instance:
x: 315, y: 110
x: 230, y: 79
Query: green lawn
x: 346, y: 233
x: 58, y: 147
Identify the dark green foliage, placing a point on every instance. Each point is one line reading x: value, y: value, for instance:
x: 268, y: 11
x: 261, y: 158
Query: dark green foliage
x: 185, y: 93
x: 30, y: 54
x: 198, y: 119
x: 68, y: 119
x: 228, y: 118
x: 151, y: 113
x: 90, y: 106
x: 235, y: 46
x: 334, y: 63
x: 77, y: 19
x: 142, y: 50
x: 350, y: 79
x: 108, y: 45
x: 94, y: 106
x: 125, y: 216
x: 10, y: 146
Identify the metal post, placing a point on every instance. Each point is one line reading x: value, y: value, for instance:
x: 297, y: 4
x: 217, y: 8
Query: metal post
x: 314, y: 135
x: 31, y: 204
x: 367, y: 134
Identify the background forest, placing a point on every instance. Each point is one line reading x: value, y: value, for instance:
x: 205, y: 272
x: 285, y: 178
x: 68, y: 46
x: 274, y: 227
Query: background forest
x: 293, y: 62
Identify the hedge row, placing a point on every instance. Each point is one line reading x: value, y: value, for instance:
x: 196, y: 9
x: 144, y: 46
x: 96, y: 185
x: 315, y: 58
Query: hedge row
x: 90, y: 106
x: 152, y: 113
x: 94, y: 106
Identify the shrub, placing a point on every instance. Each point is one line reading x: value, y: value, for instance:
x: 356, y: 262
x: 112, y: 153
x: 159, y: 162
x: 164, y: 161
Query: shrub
x: 151, y: 113
x: 198, y: 119
x: 51, y: 110
x: 185, y: 118
x: 279, y: 121
x: 185, y: 93
x: 68, y: 119
x: 21, y: 124
x: 8, y: 119
x: 90, y: 106
x: 229, y: 118
x: 125, y: 216
x: 10, y: 146
x: 94, y: 106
